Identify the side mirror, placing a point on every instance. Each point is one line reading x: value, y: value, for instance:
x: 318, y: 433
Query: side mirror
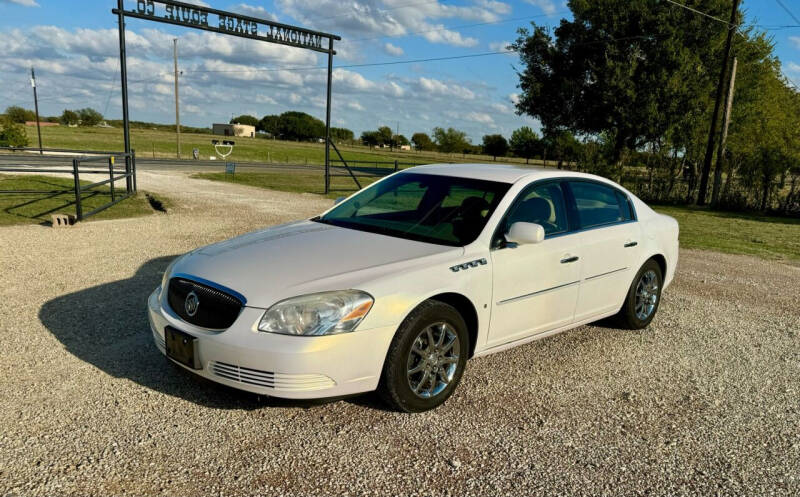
x: 338, y: 200
x: 522, y: 233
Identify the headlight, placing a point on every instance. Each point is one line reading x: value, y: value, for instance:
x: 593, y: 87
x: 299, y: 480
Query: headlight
x: 326, y: 313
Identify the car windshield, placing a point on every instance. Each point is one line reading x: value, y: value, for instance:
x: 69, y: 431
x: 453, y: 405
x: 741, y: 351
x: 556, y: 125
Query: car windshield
x: 431, y: 208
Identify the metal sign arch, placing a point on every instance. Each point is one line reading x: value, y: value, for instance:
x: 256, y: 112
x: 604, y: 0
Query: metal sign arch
x: 229, y: 23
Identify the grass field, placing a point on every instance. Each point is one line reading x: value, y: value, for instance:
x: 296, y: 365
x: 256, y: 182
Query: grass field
x: 768, y: 237
x: 735, y: 233
x: 36, y: 208
x: 161, y: 144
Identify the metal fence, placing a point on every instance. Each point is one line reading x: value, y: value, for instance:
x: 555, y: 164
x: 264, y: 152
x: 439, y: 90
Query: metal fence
x: 74, y: 162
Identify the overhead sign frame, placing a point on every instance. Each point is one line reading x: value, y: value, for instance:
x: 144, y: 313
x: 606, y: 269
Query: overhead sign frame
x: 229, y: 23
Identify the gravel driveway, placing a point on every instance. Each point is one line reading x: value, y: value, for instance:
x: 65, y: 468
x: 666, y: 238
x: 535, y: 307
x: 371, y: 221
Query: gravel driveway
x: 705, y: 401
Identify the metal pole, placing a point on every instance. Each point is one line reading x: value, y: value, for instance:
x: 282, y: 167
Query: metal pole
x: 123, y: 73
x: 133, y: 169
x: 111, y: 176
x: 36, y: 104
x: 76, y: 177
x: 701, y: 194
x: 328, y: 119
x: 177, y: 112
x: 721, y: 150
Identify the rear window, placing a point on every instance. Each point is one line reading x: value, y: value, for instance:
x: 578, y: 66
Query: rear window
x: 599, y: 204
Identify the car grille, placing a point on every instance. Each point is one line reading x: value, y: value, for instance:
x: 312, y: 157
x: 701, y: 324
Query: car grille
x: 217, y: 310
x: 268, y: 379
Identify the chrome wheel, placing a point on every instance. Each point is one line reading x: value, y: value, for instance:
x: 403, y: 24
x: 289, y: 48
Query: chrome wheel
x: 646, y: 295
x: 433, y: 360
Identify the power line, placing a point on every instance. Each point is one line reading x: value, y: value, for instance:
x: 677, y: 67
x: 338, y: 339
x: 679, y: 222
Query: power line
x: 723, y: 21
x: 791, y: 14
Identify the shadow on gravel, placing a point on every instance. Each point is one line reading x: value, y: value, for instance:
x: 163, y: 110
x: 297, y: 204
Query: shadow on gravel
x: 107, y: 327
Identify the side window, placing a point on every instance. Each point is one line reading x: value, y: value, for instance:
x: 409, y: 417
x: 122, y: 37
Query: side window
x: 625, y: 206
x: 598, y: 204
x: 542, y: 205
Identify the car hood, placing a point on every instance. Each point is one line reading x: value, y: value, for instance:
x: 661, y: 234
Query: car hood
x: 269, y: 265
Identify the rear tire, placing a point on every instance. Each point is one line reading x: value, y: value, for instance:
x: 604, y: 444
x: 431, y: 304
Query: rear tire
x: 643, y: 297
x: 426, y: 358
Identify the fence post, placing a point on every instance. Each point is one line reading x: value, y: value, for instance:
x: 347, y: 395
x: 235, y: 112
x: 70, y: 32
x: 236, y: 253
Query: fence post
x: 395, y: 165
x: 111, y: 176
x: 76, y: 177
x: 128, y: 183
x: 133, y: 163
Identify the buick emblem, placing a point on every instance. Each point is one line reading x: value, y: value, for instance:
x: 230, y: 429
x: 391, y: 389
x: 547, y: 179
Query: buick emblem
x: 191, y: 304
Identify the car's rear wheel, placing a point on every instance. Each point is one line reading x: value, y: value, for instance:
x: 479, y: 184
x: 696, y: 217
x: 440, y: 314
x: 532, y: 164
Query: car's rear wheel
x: 643, y: 297
x: 426, y: 358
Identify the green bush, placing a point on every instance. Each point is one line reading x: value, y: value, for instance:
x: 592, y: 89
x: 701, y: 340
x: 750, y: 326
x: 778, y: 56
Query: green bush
x: 12, y: 134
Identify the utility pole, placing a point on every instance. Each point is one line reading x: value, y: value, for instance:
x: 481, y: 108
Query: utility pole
x: 701, y: 194
x: 177, y: 111
x: 724, y: 136
x: 36, y: 105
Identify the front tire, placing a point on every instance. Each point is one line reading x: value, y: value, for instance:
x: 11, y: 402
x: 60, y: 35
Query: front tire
x: 643, y: 297
x: 426, y: 358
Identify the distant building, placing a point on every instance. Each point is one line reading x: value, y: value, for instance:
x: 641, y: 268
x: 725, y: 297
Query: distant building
x: 41, y: 123
x: 405, y: 147
x: 234, y: 130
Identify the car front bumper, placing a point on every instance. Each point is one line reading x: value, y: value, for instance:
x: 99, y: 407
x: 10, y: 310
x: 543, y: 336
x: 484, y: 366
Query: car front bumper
x: 293, y: 367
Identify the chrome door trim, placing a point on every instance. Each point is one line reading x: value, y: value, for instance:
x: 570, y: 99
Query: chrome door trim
x: 529, y: 295
x: 605, y: 274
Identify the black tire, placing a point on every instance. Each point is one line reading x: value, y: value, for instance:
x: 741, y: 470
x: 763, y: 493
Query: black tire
x: 628, y: 317
x: 395, y: 387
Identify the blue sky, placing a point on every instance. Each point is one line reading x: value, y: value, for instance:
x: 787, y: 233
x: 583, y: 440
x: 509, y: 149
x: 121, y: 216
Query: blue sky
x: 73, y: 45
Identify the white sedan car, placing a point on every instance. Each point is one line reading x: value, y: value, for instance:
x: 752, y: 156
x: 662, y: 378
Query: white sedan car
x: 397, y: 286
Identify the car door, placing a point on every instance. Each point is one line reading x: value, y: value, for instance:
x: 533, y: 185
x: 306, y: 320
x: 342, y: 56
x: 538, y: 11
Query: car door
x: 535, y: 286
x: 609, y: 238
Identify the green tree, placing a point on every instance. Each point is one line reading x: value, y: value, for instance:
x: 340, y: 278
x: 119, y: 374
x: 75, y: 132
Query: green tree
x: 269, y: 124
x: 20, y: 115
x: 450, y: 140
x: 300, y: 126
x: 245, y: 119
x: 400, y: 140
x: 422, y: 141
x: 525, y: 143
x: 385, y: 136
x: 370, y: 138
x: 630, y: 68
x: 495, y: 145
x: 341, y: 134
x: 12, y: 134
x: 69, y: 117
x: 89, y: 117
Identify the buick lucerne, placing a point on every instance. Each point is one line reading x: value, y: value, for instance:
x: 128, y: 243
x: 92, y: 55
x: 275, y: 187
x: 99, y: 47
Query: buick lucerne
x: 395, y: 287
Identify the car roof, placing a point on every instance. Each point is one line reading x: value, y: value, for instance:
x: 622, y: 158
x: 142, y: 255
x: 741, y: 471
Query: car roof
x: 504, y: 173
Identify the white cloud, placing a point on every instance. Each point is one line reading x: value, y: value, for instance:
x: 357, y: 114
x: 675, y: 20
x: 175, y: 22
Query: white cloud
x: 393, y: 49
x: 479, y: 117
x: 360, y: 19
x: 793, y: 67
x: 499, y: 7
x: 254, y: 11
x: 547, y: 6
x: 24, y: 3
x: 503, y: 108
x: 434, y: 87
x: 514, y: 98
x: 500, y: 46
x: 355, y: 106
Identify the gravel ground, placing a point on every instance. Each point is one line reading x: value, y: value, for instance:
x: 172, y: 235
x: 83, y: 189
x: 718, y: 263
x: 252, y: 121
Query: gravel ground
x: 705, y: 401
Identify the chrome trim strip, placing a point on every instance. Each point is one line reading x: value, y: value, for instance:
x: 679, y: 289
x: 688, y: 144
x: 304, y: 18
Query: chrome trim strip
x: 528, y: 295
x: 211, y: 284
x: 605, y: 274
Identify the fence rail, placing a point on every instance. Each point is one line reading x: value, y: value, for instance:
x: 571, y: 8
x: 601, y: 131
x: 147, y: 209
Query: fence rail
x: 76, y: 159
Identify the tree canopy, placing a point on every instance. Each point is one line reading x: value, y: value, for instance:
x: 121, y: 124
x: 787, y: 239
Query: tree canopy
x: 524, y: 143
x: 495, y: 145
x: 20, y: 115
x: 450, y: 140
x: 245, y: 119
x: 422, y: 141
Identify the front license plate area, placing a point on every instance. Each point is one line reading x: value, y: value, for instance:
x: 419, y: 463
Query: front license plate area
x: 181, y: 347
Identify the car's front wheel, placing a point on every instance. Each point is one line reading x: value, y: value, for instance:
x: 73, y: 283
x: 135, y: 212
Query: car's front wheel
x: 426, y: 358
x: 643, y: 297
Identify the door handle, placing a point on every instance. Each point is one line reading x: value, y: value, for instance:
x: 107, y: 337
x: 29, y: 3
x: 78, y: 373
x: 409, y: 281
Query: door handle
x: 569, y: 259
x: 631, y: 244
